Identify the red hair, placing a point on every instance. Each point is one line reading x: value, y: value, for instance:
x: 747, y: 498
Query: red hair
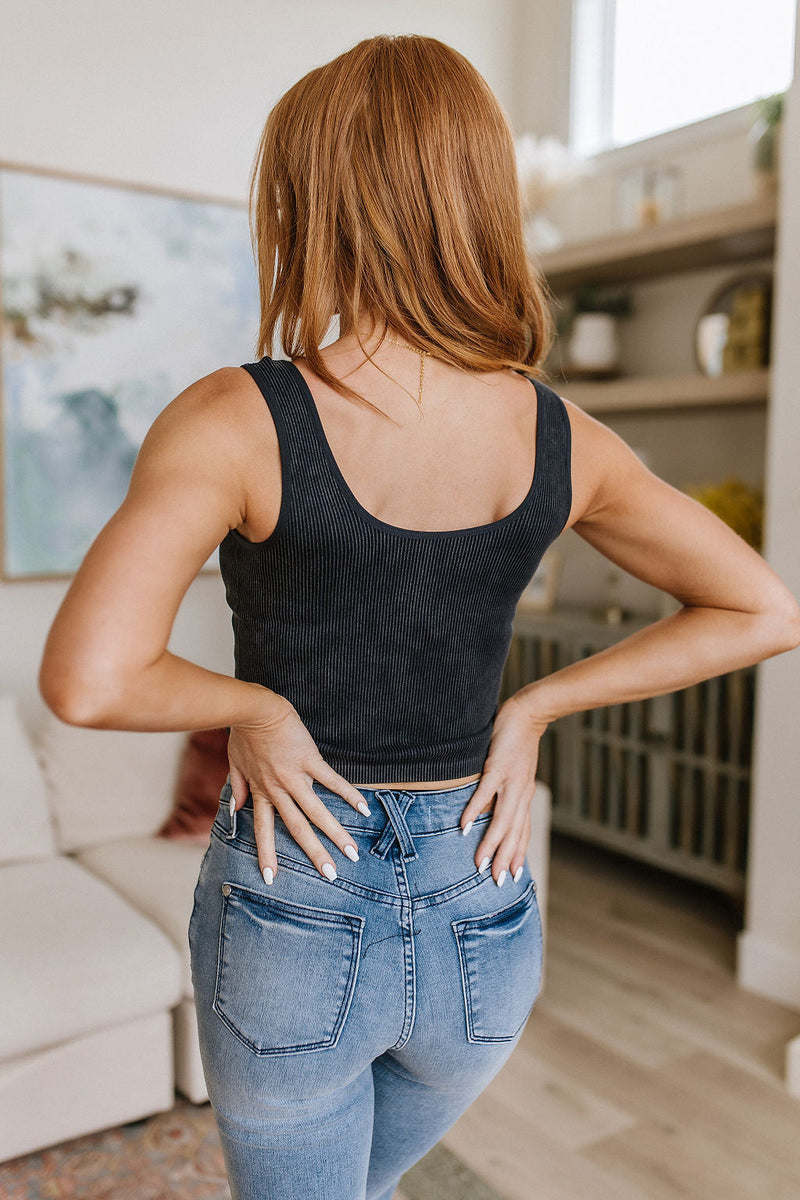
x: 385, y: 182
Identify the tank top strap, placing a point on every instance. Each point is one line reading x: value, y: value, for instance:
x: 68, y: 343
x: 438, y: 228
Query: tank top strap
x: 553, y: 450
x: 309, y: 475
x: 305, y: 471
x: 281, y: 386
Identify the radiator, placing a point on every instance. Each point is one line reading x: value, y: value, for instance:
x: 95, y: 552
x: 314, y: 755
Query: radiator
x: 665, y: 780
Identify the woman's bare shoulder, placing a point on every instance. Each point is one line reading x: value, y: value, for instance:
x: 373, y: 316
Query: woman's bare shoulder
x: 227, y: 401
x: 217, y: 431
x: 601, y: 461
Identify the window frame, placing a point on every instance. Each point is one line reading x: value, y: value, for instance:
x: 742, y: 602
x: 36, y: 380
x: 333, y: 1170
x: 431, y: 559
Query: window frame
x: 730, y: 122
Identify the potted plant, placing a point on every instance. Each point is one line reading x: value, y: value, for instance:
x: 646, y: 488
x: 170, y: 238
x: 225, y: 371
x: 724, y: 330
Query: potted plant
x: 765, y: 141
x: 593, y: 347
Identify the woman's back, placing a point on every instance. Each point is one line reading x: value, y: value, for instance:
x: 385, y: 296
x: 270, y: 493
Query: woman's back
x: 465, y: 458
x: 361, y: 592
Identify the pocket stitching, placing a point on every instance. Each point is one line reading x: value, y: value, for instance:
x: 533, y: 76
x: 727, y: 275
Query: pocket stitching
x: 349, y: 922
x: 459, y: 928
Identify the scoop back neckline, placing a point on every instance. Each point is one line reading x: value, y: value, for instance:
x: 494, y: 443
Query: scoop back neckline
x: 400, y: 530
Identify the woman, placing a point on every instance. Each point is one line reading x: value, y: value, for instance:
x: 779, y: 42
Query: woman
x: 359, y: 984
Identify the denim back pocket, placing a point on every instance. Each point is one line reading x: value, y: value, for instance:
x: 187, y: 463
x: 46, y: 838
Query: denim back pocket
x: 501, y: 967
x: 286, y: 972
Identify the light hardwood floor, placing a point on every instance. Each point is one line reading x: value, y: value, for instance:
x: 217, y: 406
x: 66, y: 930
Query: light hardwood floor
x: 644, y: 1072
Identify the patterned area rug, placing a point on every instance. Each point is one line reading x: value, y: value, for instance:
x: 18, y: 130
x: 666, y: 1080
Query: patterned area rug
x: 177, y: 1156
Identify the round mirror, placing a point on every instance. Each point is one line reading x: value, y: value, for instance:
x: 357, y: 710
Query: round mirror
x: 733, y: 331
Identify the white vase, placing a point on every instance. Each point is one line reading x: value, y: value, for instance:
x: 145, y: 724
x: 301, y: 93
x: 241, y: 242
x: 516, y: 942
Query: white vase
x: 712, y: 334
x: 593, y: 342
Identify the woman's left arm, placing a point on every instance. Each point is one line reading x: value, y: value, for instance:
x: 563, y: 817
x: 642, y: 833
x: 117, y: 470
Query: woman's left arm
x: 735, y: 612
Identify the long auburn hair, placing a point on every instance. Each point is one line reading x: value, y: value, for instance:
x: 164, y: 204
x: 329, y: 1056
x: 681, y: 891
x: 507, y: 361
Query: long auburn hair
x: 386, y: 181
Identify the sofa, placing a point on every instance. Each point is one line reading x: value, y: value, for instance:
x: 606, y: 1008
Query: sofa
x: 97, y: 1020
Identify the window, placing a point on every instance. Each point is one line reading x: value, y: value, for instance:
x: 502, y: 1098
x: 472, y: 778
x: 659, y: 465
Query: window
x: 640, y: 67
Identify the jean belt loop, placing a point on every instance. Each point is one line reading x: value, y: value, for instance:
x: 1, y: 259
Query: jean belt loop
x: 396, y: 828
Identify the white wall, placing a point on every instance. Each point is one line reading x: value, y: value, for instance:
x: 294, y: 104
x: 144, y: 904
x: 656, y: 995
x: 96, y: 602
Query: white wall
x: 175, y: 95
x: 769, y: 951
x: 541, y: 76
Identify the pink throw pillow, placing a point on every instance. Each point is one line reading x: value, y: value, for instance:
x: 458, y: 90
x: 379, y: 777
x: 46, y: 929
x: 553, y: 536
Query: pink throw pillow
x: 201, y: 777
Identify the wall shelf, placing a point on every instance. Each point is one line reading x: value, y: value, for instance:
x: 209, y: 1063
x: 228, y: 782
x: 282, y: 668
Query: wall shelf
x: 643, y: 392
x: 665, y: 779
x: 704, y: 239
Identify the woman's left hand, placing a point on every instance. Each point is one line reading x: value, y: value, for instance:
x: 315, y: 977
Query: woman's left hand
x: 509, y: 774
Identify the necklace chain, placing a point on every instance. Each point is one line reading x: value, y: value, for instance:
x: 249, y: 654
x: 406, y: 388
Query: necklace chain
x: 422, y: 355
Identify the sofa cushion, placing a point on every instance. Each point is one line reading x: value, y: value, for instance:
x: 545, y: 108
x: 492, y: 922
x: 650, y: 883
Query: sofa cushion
x: 105, y: 784
x: 75, y: 957
x: 202, y: 775
x: 158, y: 877
x: 24, y: 814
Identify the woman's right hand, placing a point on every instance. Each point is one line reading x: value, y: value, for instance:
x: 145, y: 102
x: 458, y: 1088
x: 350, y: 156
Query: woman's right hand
x: 276, y: 759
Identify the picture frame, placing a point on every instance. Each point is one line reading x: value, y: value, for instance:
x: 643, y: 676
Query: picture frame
x: 540, y: 594
x: 114, y: 298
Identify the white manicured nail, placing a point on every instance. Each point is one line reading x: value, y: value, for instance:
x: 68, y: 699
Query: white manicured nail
x: 467, y: 828
x: 517, y: 875
x: 232, y: 805
x: 362, y: 808
x: 501, y: 878
x: 351, y: 853
x: 268, y: 876
x: 329, y: 870
x: 484, y: 863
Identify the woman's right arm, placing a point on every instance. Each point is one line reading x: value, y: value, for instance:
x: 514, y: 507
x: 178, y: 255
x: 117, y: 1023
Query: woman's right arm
x: 106, y: 664
x: 105, y: 661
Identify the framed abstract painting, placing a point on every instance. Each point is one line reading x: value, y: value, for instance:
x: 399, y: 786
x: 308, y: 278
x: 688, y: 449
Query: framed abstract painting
x: 114, y: 299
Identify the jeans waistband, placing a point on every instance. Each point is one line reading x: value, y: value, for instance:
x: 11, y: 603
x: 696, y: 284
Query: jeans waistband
x: 396, y: 814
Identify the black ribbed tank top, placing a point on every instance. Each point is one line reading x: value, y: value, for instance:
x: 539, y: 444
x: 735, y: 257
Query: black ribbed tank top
x: 389, y: 642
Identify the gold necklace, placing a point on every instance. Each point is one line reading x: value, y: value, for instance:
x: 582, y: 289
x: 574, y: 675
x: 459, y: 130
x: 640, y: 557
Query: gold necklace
x: 422, y: 355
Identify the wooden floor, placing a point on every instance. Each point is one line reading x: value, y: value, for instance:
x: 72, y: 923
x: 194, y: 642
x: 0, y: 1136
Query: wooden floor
x: 644, y: 1072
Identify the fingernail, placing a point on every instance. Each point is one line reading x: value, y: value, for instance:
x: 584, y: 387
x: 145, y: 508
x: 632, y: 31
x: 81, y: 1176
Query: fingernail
x: 329, y: 870
x: 484, y: 863
x: 467, y: 828
x: 268, y: 876
x: 501, y: 878
x: 351, y: 853
x: 362, y: 808
x: 232, y: 805
x: 517, y: 875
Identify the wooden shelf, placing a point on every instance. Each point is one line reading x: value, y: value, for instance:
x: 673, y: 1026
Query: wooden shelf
x: 530, y: 621
x: 645, y: 392
x: 691, y: 243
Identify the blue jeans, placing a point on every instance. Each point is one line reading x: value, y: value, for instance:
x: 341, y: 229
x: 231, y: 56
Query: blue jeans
x: 346, y: 1025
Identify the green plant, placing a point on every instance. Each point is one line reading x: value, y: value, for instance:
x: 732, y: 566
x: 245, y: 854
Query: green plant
x: 593, y: 299
x: 764, y: 131
x: 770, y: 108
x: 561, y: 315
